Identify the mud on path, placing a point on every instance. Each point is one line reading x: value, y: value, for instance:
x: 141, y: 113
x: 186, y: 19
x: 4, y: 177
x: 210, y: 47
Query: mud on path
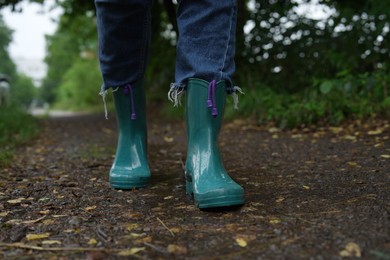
x: 319, y: 193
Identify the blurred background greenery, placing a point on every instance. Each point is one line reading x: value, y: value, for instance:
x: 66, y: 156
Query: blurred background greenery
x: 299, y: 62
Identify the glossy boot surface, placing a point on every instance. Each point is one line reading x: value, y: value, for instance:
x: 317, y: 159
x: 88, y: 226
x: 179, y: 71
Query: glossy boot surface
x: 130, y: 168
x: 206, y: 177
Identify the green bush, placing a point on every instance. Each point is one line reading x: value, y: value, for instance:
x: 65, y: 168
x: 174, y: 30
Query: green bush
x: 327, y: 101
x: 80, y: 86
x: 16, y: 127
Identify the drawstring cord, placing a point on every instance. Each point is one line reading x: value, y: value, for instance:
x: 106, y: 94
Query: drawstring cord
x: 128, y: 90
x: 211, y: 99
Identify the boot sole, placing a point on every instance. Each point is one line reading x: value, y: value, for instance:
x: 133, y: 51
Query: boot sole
x: 129, y: 185
x: 215, y: 202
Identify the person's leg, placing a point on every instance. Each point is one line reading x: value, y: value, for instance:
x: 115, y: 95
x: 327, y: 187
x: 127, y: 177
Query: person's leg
x: 123, y: 31
x: 206, y: 44
x: 123, y: 36
x: 205, y: 64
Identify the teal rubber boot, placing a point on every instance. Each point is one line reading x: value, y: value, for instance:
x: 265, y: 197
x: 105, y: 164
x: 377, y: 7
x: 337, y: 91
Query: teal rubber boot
x: 130, y: 168
x: 206, y: 177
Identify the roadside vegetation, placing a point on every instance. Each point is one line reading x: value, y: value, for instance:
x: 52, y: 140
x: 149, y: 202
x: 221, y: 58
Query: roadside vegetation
x: 297, y: 66
x: 16, y: 126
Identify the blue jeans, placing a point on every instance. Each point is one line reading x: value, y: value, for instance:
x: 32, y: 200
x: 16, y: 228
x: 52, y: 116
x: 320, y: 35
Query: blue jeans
x: 205, y: 48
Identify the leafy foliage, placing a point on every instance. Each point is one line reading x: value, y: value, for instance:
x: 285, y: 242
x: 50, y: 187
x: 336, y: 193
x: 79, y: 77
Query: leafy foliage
x: 16, y: 127
x: 23, y: 91
x: 309, y: 68
x: 79, y: 86
x: 6, y: 65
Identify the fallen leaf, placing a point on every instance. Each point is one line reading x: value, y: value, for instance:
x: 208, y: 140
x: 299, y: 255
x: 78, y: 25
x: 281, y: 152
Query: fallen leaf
x: 176, y: 229
x: 176, y: 249
x: 90, y: 208
x: 4, y: 214
x: 14, y: 221
x: 336, y: 130
x: 386, y: 156
x: 143, y: 240
x: 280, y: 200
x: 15, y: 201
x: 274, y: 221
x: 306, y: 187
x: 168, y: 139
x: 132, y: 251
x: 349, y: 137
x: 353, y: 164
x: 51, y: 242
x: 134, y: 235
x: 351, y: 250
x: 30, y: 237
x: 130, y: 227
x: 375, y: 132
x: 44, y: 212
x: 241, y: 242
x: 273, y: 130
x: 92, y: 241
x: 48, y: 222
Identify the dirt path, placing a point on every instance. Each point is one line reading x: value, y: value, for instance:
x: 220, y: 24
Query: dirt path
x: 313, y: 193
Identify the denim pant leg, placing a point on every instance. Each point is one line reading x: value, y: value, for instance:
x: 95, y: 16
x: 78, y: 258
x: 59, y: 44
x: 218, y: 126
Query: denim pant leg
x: 123, y: 36
x: 206, y: 44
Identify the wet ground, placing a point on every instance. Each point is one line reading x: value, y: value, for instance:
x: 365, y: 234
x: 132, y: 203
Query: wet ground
x: 313, y: 193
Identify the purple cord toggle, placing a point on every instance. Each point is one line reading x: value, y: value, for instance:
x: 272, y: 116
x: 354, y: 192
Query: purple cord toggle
x: 128, y: 90
x: 211, y: 99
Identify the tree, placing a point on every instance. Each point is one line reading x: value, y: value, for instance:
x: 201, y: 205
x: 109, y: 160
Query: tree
x: 6, y: 65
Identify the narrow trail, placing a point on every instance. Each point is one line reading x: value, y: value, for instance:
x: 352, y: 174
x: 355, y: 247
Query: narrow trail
x: 316, y: 193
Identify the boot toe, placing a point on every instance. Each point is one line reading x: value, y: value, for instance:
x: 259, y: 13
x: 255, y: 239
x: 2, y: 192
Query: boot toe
x: 225, y: 195
x: 127, y: 180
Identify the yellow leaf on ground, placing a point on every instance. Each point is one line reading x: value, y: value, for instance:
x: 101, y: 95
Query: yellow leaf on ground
x: 44, y: 212
x: 353, y: 164
x: 14, y: 221
x: 273, y: 130
x: 51, y: 242
x: 306, y: 187
x: 130, y: 252
x: 241, y: 242
x: 48, y: 222
x: 375, y: 132
x: 16, y: 201
x: 351, y: 250
x: 92, y: 241
x: 130, y: 227
x: 274, y: 221
x: 168, y: 139
x: 176, y: 249
x: 134, y: 236
x: 4, y: 214
x: 143, y: 240
x: 386, y: 156
x: 30, y: 237
x: 90, y: 208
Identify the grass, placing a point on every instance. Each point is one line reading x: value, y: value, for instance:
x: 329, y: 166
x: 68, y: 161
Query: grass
x: 16, y: 127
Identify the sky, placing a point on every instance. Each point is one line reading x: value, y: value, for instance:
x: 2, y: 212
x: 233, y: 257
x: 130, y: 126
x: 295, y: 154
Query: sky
x: 30, y: 27
x: 28, y: 46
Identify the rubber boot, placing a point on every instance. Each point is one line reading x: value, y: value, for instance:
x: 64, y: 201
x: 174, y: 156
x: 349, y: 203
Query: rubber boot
x: 130, y: 168
x: 206, y: 177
